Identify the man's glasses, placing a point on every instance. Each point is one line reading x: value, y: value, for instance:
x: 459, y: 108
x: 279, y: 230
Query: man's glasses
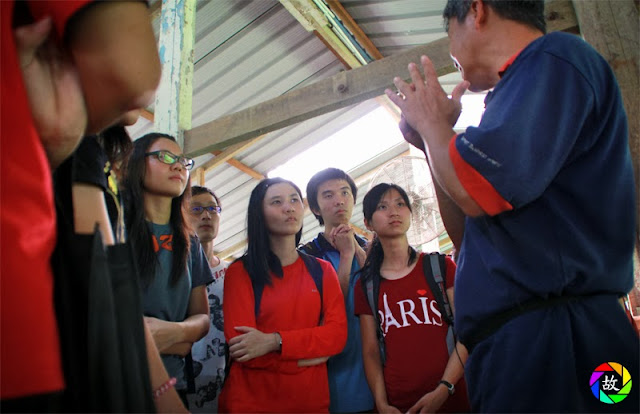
x: 196, y: 211
x: 456, y: 63
x: 169, y: 158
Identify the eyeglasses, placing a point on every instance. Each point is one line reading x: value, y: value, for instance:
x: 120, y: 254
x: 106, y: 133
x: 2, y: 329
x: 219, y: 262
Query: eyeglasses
x: 169, y: 158
x: 456, y: 63
x: 196, y: 211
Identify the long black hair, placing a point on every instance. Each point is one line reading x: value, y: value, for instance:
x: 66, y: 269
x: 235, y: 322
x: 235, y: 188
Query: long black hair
x: 375, y: 255
x: 139, y: 232
x: 116, y: 143
x: 259, y: 260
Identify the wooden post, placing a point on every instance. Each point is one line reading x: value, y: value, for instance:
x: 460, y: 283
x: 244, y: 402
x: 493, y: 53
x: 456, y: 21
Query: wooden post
x: 611, y: 26
x: 173, y: 97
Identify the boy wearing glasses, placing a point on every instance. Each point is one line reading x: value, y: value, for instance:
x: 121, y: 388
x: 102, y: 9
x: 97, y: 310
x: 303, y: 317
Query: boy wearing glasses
x: 209, y: 352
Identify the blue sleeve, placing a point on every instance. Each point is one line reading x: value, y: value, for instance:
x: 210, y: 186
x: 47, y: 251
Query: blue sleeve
x: 530, y: 127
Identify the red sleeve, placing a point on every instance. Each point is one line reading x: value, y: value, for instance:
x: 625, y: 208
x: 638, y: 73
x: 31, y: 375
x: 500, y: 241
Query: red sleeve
x: 476, y: 185
x: 326, y: 339
x: 360, y: 302
x: 60, y: 11
x: 451, y: 272
x: 238, y: 310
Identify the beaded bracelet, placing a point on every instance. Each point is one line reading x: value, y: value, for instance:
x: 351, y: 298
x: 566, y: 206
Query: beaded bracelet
x: 164, y: 388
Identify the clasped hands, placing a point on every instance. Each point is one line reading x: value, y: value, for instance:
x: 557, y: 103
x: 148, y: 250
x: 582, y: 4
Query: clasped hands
x: 342, y: 239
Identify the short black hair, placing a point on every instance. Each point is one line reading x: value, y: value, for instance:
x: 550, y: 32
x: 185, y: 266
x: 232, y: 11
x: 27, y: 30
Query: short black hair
x: 529, y: 12
x: 198, y: 189
x: 322, y: 177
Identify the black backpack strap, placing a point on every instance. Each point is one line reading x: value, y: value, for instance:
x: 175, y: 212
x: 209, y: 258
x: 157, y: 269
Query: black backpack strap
x: 371, y: 288
x: 315, y: 270
x: 188, y: 373
x: 434, y: 268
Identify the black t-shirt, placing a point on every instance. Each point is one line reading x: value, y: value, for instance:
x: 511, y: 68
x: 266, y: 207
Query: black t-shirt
x: 88, y: 165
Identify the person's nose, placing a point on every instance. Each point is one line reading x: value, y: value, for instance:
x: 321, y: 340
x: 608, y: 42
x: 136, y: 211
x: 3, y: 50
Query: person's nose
x: 206, y: 215
x: 177, y: 166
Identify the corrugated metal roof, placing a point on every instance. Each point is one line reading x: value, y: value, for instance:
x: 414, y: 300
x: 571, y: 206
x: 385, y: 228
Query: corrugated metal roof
x: 249, y: 51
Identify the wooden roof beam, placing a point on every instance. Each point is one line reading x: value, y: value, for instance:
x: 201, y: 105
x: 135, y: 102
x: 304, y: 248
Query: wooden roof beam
x: 341, y: 90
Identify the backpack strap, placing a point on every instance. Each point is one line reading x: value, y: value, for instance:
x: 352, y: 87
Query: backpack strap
x: 315, y: 270
x: 433, y: 271
x: 372, y: 290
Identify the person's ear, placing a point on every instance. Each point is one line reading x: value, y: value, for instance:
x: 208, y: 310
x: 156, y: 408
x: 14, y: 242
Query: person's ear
x: 367, y: 225
x: 479, y: 12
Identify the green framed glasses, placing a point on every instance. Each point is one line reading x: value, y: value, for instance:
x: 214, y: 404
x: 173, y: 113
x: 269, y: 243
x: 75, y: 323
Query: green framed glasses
x: 170, y: 158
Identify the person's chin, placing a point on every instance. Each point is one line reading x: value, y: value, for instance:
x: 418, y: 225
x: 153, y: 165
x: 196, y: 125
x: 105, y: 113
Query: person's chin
x: 205, y: 236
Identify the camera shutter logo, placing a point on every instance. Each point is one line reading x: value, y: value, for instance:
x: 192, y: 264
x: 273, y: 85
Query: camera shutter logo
x: 610, y: 383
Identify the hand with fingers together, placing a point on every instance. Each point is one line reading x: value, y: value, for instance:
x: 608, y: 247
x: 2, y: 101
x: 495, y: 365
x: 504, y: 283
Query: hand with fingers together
x: 411, y: 135
x: 342, y: 238
x: 252, y: 343
x: 426, y: 107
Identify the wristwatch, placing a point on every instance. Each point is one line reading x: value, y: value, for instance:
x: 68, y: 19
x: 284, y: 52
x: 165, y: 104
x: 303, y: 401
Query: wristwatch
x: 450, y: 387
x: 279, y: 341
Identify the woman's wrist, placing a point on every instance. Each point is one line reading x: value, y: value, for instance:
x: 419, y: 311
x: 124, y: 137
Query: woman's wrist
x: 381, y: 402
x: 443, y: 390
x: 277, y: 347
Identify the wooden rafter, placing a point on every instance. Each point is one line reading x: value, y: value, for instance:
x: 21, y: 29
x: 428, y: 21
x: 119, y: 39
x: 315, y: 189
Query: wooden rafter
x: 146, y: 114
x: 353, y: 27
x: 241, y: 166
x: 341, y: 90
x: 229, y: 153
x: 313, y: 20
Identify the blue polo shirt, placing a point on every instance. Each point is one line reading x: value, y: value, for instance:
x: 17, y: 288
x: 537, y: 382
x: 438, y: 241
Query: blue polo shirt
x: 348, y: 387
x: 550, y: 165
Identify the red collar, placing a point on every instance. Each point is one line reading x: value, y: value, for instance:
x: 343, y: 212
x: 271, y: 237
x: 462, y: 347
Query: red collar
x: 508, y: 63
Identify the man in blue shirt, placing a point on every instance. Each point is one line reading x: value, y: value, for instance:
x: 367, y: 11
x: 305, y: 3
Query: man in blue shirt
x: 331, y: 195
x: 546, y: 185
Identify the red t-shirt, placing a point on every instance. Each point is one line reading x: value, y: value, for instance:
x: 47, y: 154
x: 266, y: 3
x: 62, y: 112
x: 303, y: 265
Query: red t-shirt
x: 291, y: 306
x: 30, y: 357
x: 415, y: 338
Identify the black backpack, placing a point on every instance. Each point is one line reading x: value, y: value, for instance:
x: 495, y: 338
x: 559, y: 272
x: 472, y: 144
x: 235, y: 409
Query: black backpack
x: 433, y: 270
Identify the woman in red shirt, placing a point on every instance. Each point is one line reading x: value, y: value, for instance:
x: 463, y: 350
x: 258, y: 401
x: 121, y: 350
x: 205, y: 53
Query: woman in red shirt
x: 279, y: 339
x: 419, y: 375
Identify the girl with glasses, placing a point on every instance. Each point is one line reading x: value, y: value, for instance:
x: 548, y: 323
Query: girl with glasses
x: 173, y: 270
x: 281, y: 326
x: 418, y: 374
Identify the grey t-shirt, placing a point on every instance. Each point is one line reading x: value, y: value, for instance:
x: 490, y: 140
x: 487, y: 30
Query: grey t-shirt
x: 169, y: 302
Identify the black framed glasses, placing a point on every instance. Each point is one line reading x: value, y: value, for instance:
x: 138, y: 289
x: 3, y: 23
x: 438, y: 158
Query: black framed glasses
x: 196, y: 211
x: 170, y: 158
